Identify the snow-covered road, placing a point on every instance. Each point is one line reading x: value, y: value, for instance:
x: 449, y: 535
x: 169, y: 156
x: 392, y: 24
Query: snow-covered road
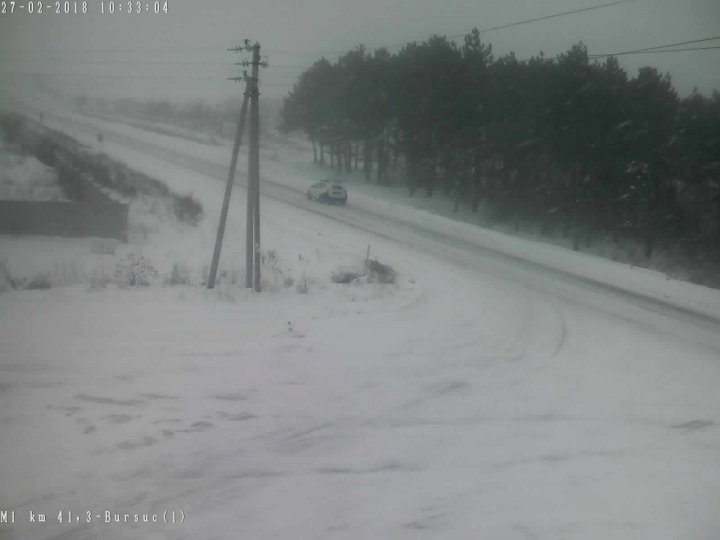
x: 479, y: 398
x: 444, y: 237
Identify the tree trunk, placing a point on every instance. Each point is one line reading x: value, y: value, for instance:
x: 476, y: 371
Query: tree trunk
x: 576, y: 240
x: 653, y: 210
x: 430, y: 175
x: 380, y: 160
x: 476, y: 181
x: 367, y: 160
x: 546, y: 227
x: 411, y: 171
x: 474, y: 199
x: 649, y: 243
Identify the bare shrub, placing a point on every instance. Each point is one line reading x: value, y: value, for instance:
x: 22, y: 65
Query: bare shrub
x: 39, y: 282
x: 345, y: 276
x: 180, y: 274
x: 66, y: 272
x: 135, y: 271
x: 380, y: 273
x: 231, y: 276
x: 374, y: 272
x: 272, y: 264
x: 187, y: 209
x: 302, y: 285
x: 99, y: 280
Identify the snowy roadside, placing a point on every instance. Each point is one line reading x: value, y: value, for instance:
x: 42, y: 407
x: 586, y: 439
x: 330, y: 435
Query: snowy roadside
x: 111, y: 396
x: 286, y: 165
x: 453, y: 404
x: 449, y: 404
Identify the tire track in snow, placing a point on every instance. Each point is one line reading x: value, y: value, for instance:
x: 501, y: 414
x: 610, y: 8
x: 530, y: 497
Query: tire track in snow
x: 531, y: 275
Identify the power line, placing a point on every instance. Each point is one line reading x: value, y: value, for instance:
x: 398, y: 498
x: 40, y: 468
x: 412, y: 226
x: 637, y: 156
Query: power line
x: 103, y: 75
x: 123, y: 76
x: 151, y: 62
x: 66, y: 60
x: 316, y: 53
x: 145, y: 51
x: 648, y: 49
x: 509, y: 25
x: 657, y: 51
x: 546, y: 17
x: 681, y: 43
x: 121, y: 50
x: 153, y: 50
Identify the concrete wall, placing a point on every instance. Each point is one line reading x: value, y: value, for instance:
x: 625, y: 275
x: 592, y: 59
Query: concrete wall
x: 106, y: 220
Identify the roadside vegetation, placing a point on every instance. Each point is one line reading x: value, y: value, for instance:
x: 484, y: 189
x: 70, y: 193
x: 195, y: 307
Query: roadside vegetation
x: 568, y: 146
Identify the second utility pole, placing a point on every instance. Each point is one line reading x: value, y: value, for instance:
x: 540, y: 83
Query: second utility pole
x: 252, y: 253
x: 228, y: 189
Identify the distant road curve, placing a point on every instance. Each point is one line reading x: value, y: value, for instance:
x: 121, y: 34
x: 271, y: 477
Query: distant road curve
x: 540, y: 278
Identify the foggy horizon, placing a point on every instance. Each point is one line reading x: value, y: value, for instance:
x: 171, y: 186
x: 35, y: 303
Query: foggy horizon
x: 182, y: 55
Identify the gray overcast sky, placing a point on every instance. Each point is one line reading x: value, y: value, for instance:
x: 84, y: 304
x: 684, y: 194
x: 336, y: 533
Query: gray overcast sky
x: 181, y: 55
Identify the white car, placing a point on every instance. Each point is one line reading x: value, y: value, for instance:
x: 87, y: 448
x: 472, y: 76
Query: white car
x: 327, y: 192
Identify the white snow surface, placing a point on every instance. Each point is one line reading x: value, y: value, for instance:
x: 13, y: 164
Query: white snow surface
x: 471, y: 399
x: 299, y: 175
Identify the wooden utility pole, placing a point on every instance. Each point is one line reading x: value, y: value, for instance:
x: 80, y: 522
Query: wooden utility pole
x: 252, y: 240
x: 250, y: 220
x: 254, y: 158
x: 228, y: 189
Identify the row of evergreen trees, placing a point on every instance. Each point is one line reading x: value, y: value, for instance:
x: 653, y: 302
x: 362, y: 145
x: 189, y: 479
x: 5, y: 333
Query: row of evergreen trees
x: 567, y: 142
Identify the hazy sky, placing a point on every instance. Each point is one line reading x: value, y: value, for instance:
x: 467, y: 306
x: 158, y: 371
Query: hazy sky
x: 182, y: 55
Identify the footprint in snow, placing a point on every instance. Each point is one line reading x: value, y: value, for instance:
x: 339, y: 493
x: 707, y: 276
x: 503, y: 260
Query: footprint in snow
x: 197, y: 426
x: 131, y: 445
x: 694, y: 425
x: 118, y: 418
